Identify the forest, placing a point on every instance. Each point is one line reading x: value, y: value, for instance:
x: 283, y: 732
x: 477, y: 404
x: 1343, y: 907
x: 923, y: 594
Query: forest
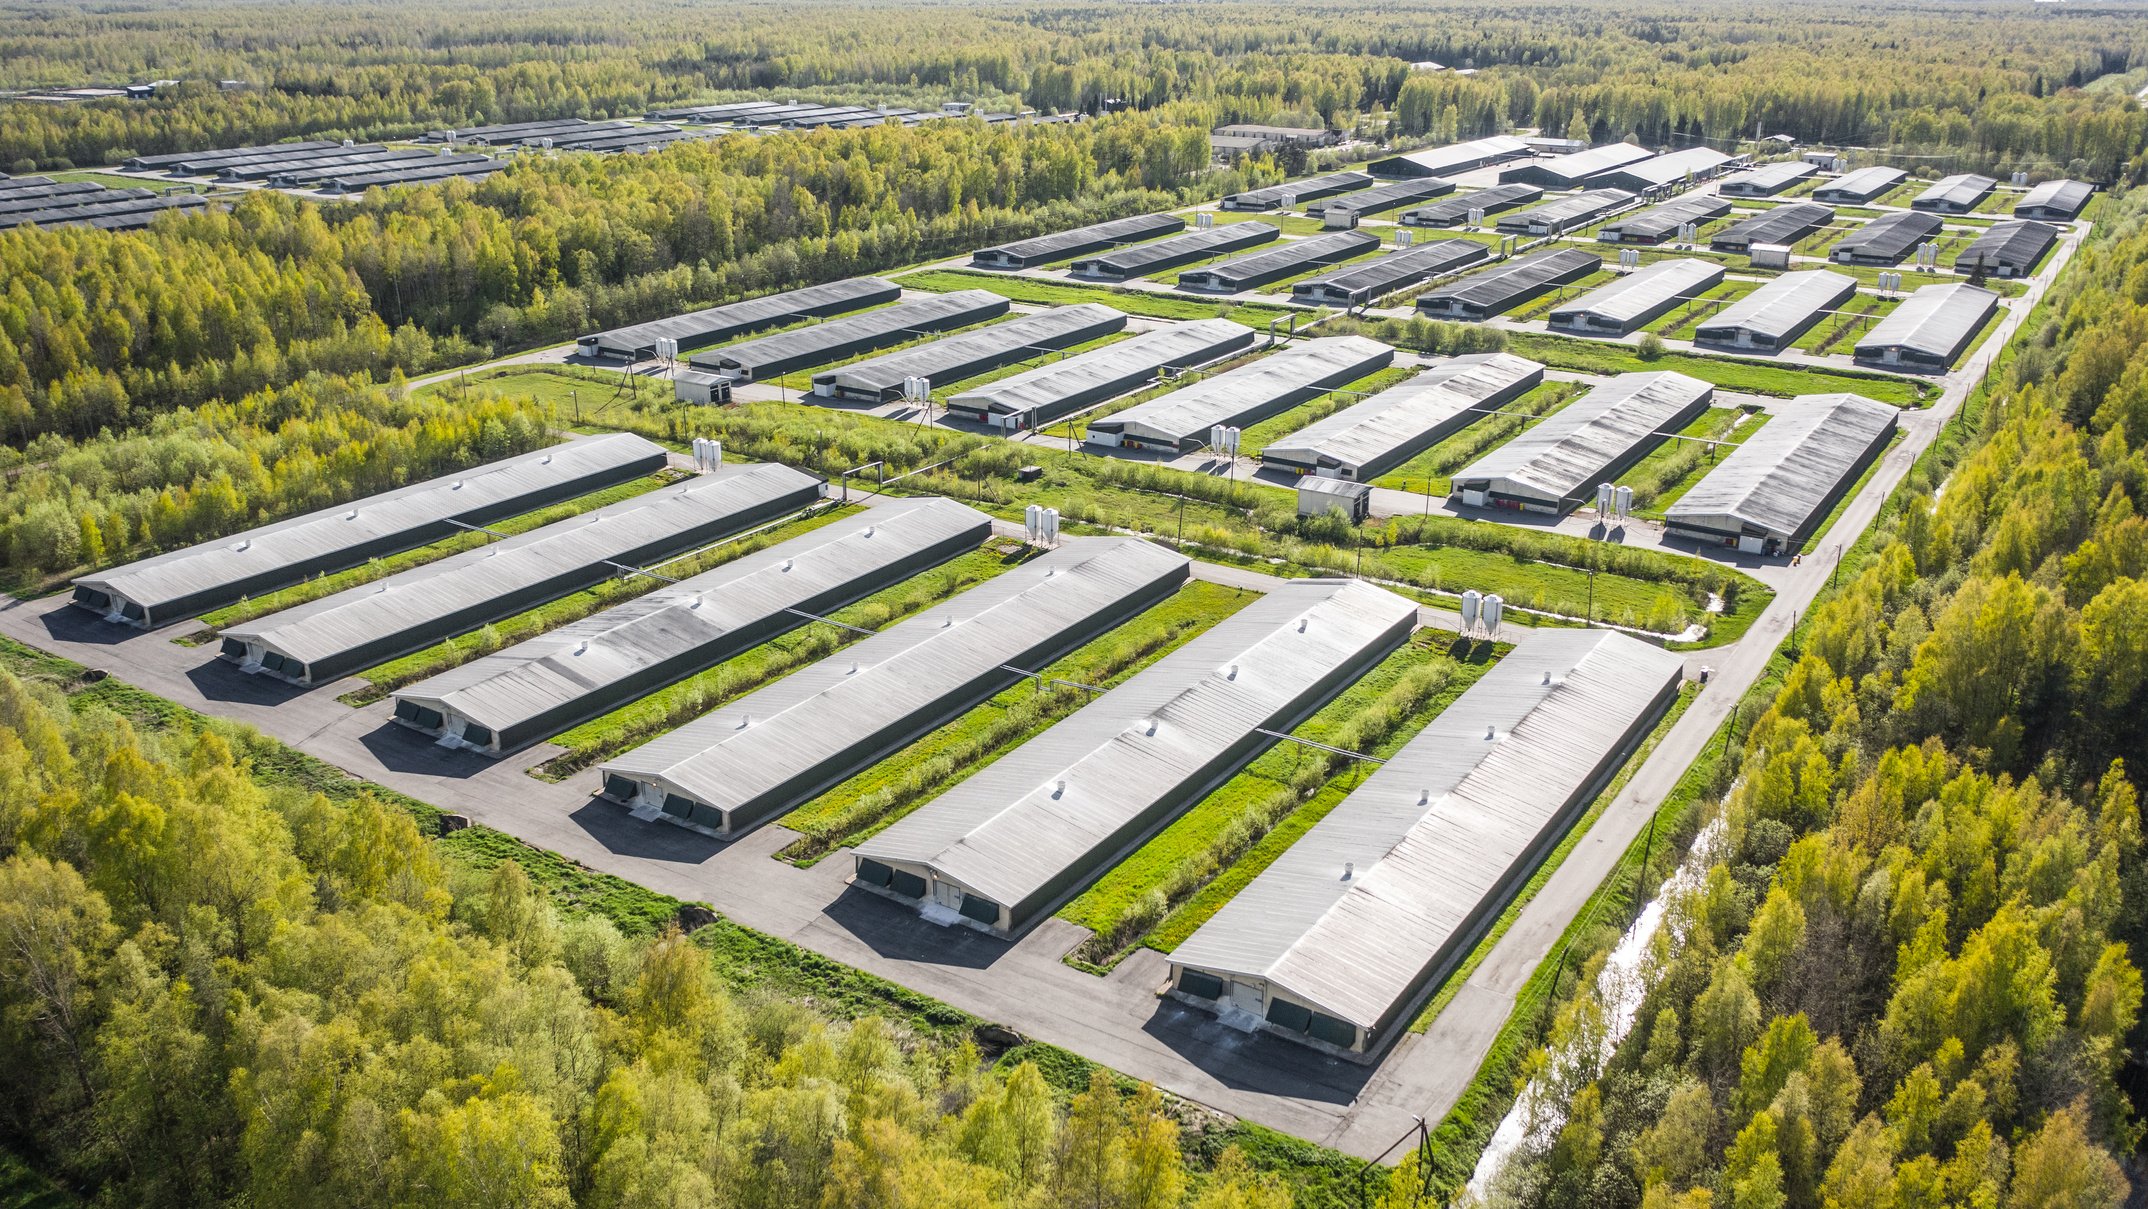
x: 1910, y: 973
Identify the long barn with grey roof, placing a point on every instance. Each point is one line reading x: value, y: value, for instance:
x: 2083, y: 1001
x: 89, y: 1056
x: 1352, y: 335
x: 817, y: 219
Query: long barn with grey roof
x: 953, y: 359
x: 1571, y: 171
x: 2055, y: 201
x: 1772, y: 490
x: 1633, y: 301
x: 1039, y: 396
x: 1659, y: 223
x: 1502, y: 287
x: 698, y: 329
x: 1360, y: 284
x: 763, y: 754
x: 2008, y: 249
x: 1453, y: 159
x: 539, y: 687
x: 1295, y: 193
x: 1564, y: 213
x: 1592, y: 440
x: 851, y: 336
x: 1065, y: 245
x: 1957, y: 194
x: 1929, y: 329
x: 1861, y: 187
x: 1368, y: 439
x: 1126, y: 264
x: 1256, y: 269
x: 1338, y: 942
x: 1659, y: 172
x: 1381, y: 198
x: 1772, y: 317
x: 1244, y: 395
x: 1454, y: 211
x: 1005, y: 846
x: 359, y: 627
x: 1885, y: 240
x: 1784, y: 225
x: 1767, y: 180
x: 186, y: 583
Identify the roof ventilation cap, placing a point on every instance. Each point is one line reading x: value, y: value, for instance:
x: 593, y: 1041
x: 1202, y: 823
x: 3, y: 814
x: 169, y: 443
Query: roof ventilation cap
x: 1424, y: 797
x: 457, y: 486
x: 868, y: 530
x: 1490, y: 733
x: 351, y: 515
x: 1059, y: 788
x: 1349, y: 870
x: 1232, y: 674
x: 744, y: 721
x: 581, y: 647
x: 248, y: 544
x: 787, y: 563
x: 1301, y: 624
x: 1547, y: 677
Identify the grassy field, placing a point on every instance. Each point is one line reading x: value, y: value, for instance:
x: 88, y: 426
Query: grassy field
x: 1681, y: 323
x: 380, y: 568
x: 454, y: 652
x: 1216, y: 836
x: 1838, y: 333
x: 892, y: 788
x: 1428, y: 472
x: 1288, y: 224
x: 1750, y: 376
x: 1068, y: 293
x: 1540, y: 307
x: 674, y: 705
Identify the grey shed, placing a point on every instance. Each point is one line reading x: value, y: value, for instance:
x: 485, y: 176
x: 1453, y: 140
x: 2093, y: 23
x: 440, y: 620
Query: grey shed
x: 1772, y: 317
x: 952, y: 359
x: 1039, y: 396
x: 851, y: 336
x: 1560, y: 461
x: 1369, y: 439
x: 1247, y: 394
x: 1777, y: 484
x: 1063, y: 245
x: 732, y: 320
x: 1930, y: 329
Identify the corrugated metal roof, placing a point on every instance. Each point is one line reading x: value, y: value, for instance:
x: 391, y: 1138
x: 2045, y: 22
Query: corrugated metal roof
x: 1862, y: 185
x: 1496, y: 287
x: 1562, y: 212
x: 1448, y: 212
x: 769, y: 310
x: 1123, y: 365
x: 1054, y: 804
x: 1281, y: 260
x: 1768, y: 179
x: 1578, y: 166
x: 1564, y: 455
x: 1068, y: 243
x: 2015, y: 246
x: 1935, y: 321
x: 412, y: 599
x: 1784, y: 304
x: 1642, y: 292
x: 824, y: 711
x: 1397, y: 270
x: 1889, y: 237
x: 1305, y: 190
x: 530, y: 679
x: 418, y: 507
x: 1459, y: 157
x: 1384, y: 197
x: 933, y: 312
x: 1142, y: 259
x: 2064, y: 198
x: 1256, y: 389
x: 1669, y: 168
x: 1662, y: 222
x: 1444, y: 825
x: 1961, y: 191
x: 1778, y: 478
x: 1055, y: 328
x: 1400, y: 416
x: 1781, y: 225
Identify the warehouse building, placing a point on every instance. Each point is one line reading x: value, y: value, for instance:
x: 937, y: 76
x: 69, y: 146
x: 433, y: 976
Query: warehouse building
x: 446, y: 167
x: 1127, y: 264
x: 1562, y: 214
x: 1289, y: 259
x: 852, y: 336
x: 1382, y: 198
x: 1777, y: 485
x: 1570, y: 171
x: 1455, y: 211
x: 1658, y: 224
x: 192, y: 163
x: 1885, y: 240
x: 1860, y: 188
x: 1783, y: 226
x: 540, y: 687
x: 505, y: 132
x: 2055, y: 201
x: 1451, y: 160
x: 1295, y: 193
x: 1637, y: 299
x: 105, y: 209
x: 1363, y: 284
x: 761, y: 755
x: 717, y: 324
x: 1558, y: 463
x: 2008, y: 249
x: 1957, y: 194
x: 1768, y: 179
x: 1499, y: 289
x: 1081, y: 241
x: 317, y: 642
x: 316, y: 176
x: 1337, y: 944
x: 1771, y: 318
x: 1368, y: 439
x: 1004, y: 847
x: 186, y: 583
x: 1039, y: 396
x: 1181, y: 421
x: 1666, y: 171
x: 1930, y: 329
x: 959, y: 358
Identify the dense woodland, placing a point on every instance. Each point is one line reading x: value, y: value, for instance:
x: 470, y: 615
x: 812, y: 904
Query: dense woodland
x: 1911, y: 976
